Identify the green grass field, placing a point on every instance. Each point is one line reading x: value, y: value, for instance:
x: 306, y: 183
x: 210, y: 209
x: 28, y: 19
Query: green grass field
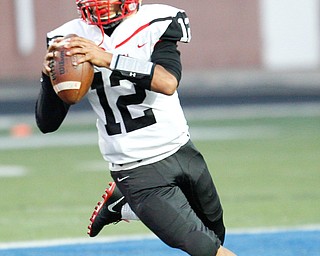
x: 266, y: 169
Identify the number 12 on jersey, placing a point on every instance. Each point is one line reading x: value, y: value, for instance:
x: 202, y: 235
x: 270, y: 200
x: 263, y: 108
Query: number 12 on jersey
x: 131, y: 124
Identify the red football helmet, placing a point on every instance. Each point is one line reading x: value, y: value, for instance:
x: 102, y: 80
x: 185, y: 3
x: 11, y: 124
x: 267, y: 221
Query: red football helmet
x: 106, y: 13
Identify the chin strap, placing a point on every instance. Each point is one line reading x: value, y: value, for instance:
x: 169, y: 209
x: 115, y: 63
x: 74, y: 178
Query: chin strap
x: 102, y: 32
x: 108, y: 29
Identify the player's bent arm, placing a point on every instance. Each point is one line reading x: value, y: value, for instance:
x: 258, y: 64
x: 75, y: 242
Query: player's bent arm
x: 167, y: 73
x: 163, y: 81
x: 161, y: 74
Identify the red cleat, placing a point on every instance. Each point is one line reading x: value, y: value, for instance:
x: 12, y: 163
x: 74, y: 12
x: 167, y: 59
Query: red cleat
x: 107, y: 211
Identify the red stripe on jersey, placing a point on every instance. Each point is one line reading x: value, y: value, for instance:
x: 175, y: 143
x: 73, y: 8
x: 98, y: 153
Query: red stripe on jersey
x: 134, y: 33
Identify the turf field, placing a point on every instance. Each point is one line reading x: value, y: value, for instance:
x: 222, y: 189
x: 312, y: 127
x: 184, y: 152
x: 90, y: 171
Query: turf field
x: 264, y: 160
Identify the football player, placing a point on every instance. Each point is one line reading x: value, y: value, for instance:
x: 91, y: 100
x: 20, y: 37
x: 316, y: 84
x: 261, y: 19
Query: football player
x: 143, y: 134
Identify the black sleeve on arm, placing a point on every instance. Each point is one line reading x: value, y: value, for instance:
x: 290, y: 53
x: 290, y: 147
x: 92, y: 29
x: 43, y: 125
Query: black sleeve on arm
x: 166, y: 54
x: 50, y: 110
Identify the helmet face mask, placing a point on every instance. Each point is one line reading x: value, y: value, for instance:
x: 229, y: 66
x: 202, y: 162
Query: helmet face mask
x: 106, y: 13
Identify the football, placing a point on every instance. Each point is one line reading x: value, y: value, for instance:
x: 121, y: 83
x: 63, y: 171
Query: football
x: 71, y: 82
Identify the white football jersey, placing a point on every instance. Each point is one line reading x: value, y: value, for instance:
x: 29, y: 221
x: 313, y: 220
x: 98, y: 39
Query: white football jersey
x: 135, y: 126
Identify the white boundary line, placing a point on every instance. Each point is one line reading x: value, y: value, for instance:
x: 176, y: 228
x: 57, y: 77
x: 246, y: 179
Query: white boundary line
x: 192, y: 113
x: 111, y: 239
x: 72, y: 241
x: 198, y: 113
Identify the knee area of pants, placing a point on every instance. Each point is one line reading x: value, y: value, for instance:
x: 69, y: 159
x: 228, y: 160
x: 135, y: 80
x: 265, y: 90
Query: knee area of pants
x: 200, y: 244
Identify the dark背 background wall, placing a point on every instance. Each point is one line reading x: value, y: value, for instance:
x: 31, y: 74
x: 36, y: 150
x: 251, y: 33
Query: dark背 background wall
x: 235, y: 46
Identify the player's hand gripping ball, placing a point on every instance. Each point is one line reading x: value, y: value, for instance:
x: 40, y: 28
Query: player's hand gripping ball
x: 71, y: 82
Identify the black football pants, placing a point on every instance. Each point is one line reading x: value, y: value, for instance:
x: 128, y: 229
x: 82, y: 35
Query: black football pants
x: 177, y: 200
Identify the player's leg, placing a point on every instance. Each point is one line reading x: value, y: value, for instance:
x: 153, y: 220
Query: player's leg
x: 202, y: 194
x: 205, y: 201
x: 200, y: 190
x: 152, y: 193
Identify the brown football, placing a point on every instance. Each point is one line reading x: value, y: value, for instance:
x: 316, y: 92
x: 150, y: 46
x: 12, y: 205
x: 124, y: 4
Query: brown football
x: 70, y: 82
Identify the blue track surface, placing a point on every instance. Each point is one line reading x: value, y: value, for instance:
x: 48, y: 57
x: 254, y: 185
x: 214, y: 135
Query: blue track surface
x: 281, y: 243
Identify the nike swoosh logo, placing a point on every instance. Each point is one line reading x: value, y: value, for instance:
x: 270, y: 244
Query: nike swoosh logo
x: 121, y: 179
x: 110, y: 206
x: 141, y: 45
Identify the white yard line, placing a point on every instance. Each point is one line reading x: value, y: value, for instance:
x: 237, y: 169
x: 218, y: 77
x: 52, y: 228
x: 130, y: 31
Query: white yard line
x: 91, y: 138
x: 49, y: 140
x: 12, y: 171
x: 38, y: 140
x: 192, y: 113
